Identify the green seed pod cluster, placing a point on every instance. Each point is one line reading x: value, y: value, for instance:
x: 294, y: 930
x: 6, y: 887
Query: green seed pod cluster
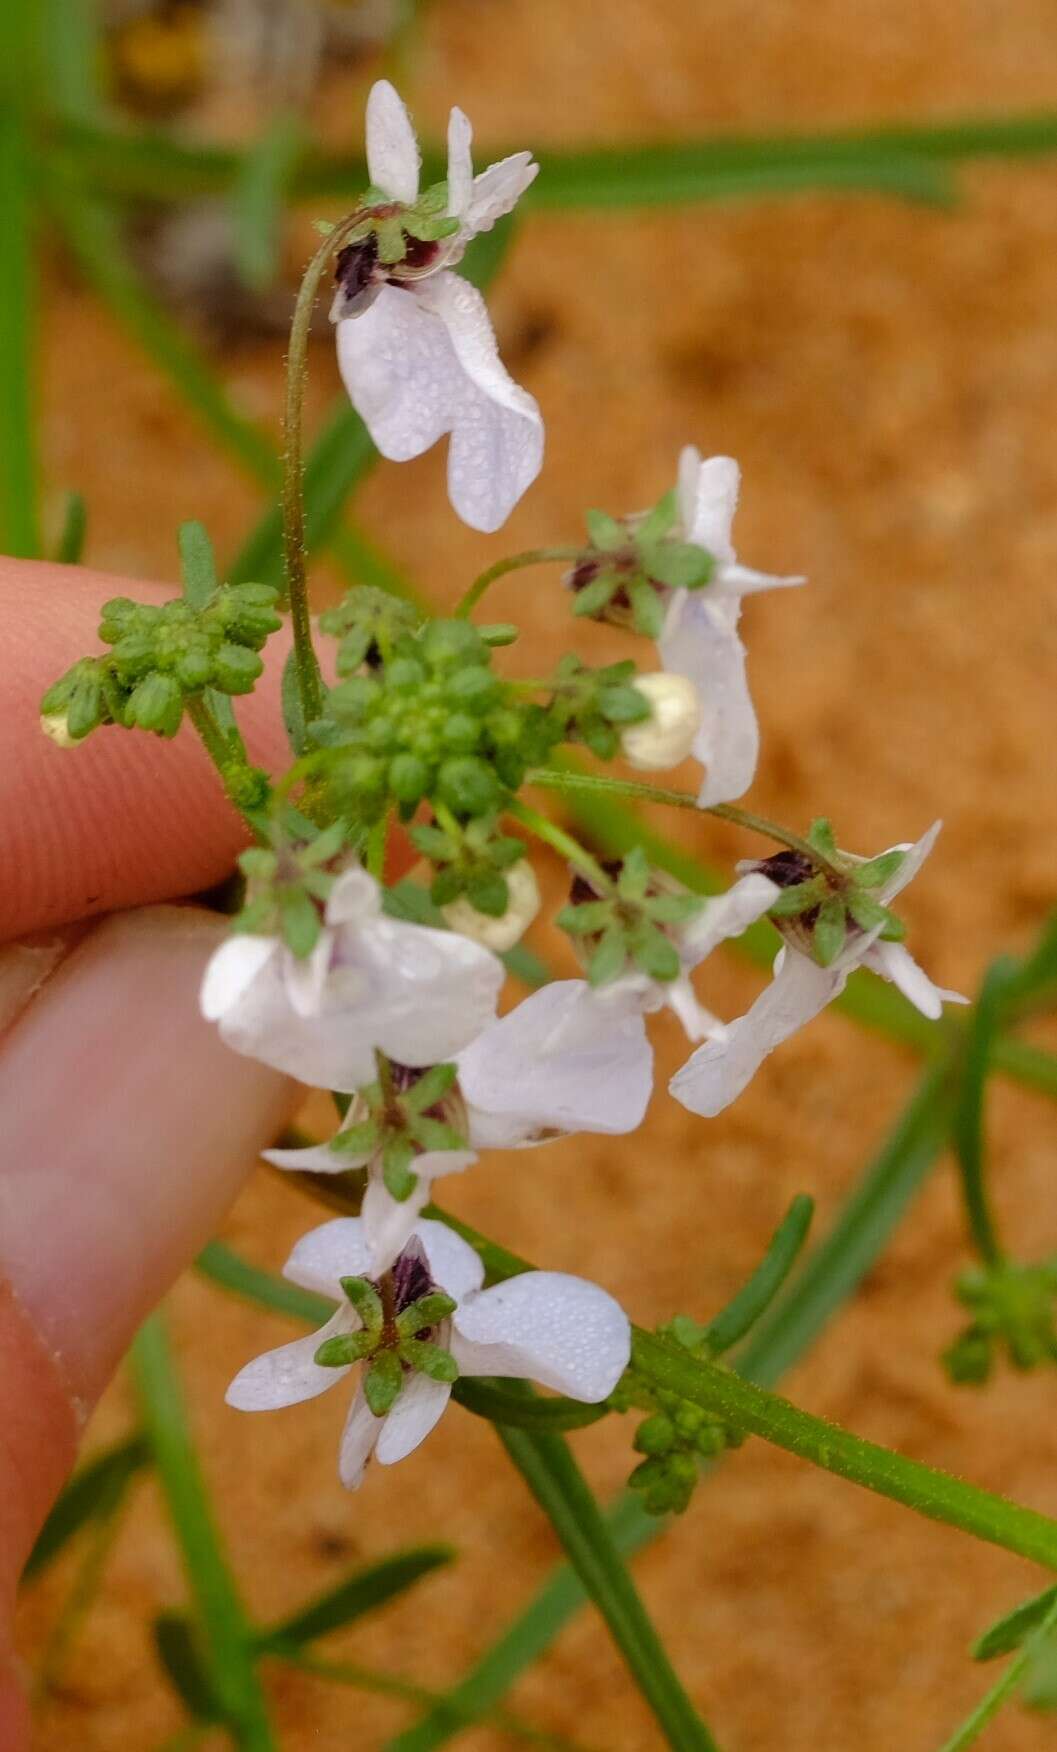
x: 674, y: 1440
x: 161, y: 653
x: 1012, y: 1308
x: 433, y: 720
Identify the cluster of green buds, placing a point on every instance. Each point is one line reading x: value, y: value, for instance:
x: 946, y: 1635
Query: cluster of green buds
x: 676, y: 1436
x: 161, y: 656
x: 824, y: 901
x: 1012, y: 1308
x: 631, y: 565
x: 368, y: 623
x: 404, y: 1114
x: 393, y: 1340
x: 628, y: 926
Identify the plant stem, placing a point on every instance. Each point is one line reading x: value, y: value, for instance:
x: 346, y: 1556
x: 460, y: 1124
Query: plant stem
x: 551, y: 779
x: 555, y: 1480
x: 531, y: 557
x: 555, y: 836
x: 989, y: 1706
x: 227, y: 759
x: 309, y: 680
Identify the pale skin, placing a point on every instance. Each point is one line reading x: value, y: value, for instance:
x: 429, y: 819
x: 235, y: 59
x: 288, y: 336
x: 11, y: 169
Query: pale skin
x: 101, y: 1046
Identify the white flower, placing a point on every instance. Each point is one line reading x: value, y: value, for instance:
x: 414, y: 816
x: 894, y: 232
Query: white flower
x: 499, y: 934
x: 544, y: 1326
x: 415, y: 345
x: 718, y: 1072
x: 567, y: 1059
x: 700, y: 634
x: 720, y: 918
x: 670, y: 732
x: 371, y: 982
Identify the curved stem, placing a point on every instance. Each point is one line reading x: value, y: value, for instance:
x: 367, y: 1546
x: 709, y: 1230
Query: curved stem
x: 309, y: 680
x: 531, y: 557
x: 553, y: 779
x: 228, y: 762
x: 553, y: 835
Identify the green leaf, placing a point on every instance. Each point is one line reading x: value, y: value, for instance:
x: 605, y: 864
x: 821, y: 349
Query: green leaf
x: 967, y: 1125
x: 1010, y: 1631
x: 364, y: 1591
x: 365, y: 1299
x: 634, y: 877
x: 605, y: 532
x: 19, y: 532
x: 225, y: 1628
x: 655, y: 954
x: 343, y: 1349
x: 659, y: 521
x: 647, y: 609
x: 830, y: 930
x: 179, y: 1654
x: 820, y: 835
x: 555, y: 1480
x: 868, y: 913
x: 593, y: 597
x: 429, y: 1310
x: 293, y: 712
x: 197, y: 564
x: 791, y: 902
x: 258, y: 197
x: 300, y: 920
x: 69, y: 549
x: 217, y: 1262
x: 431, y: 1087
x: 755, y: 1297
x: 586, y: 918
x: 679, y: 564
x: 398, y: 1153
x: 429, y: 1359
x: 383, y: 1382
x: 608, y: 959
x: 517, y: 1411
x: 94, y: 1490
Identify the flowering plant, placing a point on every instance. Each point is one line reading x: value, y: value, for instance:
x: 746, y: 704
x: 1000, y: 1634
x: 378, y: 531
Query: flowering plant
x: 416, y: 747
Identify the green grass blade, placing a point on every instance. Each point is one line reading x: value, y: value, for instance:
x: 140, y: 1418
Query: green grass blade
x: 94, y: 1491
x: 364, y: 1591
x: 555, y: 1480
x: 258, y: 197
x: 338, y: 460
x: 218, y: 1262
x: 19, y: 531
x: 69, y: 549
x: 516, y: 1411
x: 967, y: 1122
x: 179, y: 1654
x: 756, y: 1296
x: 226, y: 1632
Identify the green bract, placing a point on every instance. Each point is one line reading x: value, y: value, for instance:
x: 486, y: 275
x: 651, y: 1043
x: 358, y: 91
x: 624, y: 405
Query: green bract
x: 821, y: 905
x: 632, y: 564
x: 625, y: 928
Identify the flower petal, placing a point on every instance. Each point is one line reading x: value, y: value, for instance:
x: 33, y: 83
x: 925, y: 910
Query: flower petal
x: 327, y: 1254
x: 231, y: 971
x: 741, y: 581
x: 453, y: 1264
x: 289, y: 1375
x: 717, y: 1072
x: 420, y: 1406
x: 700, y: 640
x: 306, y: 975
x: 894, y: 962
x: 392, y: 150
x: 908, y: 869
x: 545, y: 1326
x: 436, y: 991
x: 726, y: 915
x: 264, y: 1025
x: 708, y: 499
x: 358, y: 1439
x: 565, y: 1059
x: 498, y: 190
x: 497, y: 432
x: 401, y: 372
x: 390, y: 1222
x: 355, y: 898
x: 315, y: 1159
x: 460, y: 163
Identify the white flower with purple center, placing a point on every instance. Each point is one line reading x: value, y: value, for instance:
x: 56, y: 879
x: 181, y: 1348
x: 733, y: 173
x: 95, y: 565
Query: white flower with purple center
x: 415, y: 344
x: 699, y: 638
x: 371, y: 983
x: 717, y: 1072
x: 567, y: 1059
x: 417, y: 1328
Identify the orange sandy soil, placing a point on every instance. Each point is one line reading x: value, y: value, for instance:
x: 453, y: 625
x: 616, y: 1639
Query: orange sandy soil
x: 887, y: 376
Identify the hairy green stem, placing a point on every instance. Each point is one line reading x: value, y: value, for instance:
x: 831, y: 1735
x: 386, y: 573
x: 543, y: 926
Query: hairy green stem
x: 556, y: 837
x: 514, y: 563
x: 229, y: 761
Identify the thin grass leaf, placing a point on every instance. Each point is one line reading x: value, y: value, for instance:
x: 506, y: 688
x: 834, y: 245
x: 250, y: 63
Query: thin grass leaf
x: 93, y: 1492
x: 555, y: 1480
x: 217, y: 1262
x: 86, y: 1584
x: 19, y: 530
x: 500, y: 1405
x: 69, y: 549
x: 226, y: 1632
x: 752, y: 1300
x: 364, y: 1591
x: 258, y: 197
x: 967, y: 1120
x: 197, y: 563
x: 179, y: 1654
x: 70, y: 38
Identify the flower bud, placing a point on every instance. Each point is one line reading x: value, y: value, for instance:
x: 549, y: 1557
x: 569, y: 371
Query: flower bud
x: 667, y: 736
x: 57, y: 726
x: 499, y: 934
